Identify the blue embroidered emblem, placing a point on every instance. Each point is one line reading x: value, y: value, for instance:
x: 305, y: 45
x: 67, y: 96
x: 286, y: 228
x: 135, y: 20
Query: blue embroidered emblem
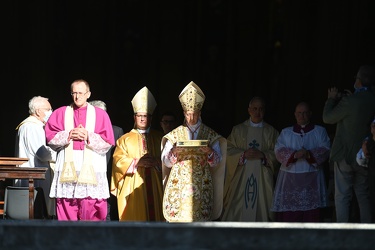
x: 251, y: 192
x: 254, y: 144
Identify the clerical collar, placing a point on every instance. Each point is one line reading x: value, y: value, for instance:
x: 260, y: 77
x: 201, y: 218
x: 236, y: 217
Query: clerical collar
x: 303, y: 129
x: 142, y: 131
x: 256, y: 125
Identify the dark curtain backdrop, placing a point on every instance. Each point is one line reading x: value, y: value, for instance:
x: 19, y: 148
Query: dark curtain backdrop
x: 284, y: 50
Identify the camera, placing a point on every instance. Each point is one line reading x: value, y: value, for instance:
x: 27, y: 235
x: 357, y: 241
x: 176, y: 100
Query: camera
x: 343, y: 93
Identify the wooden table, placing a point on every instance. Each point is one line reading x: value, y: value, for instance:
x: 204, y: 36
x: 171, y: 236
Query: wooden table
x: 9, y: 169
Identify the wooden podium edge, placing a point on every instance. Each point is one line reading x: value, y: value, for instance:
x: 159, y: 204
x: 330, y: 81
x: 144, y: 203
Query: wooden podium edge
x: 12, y: 160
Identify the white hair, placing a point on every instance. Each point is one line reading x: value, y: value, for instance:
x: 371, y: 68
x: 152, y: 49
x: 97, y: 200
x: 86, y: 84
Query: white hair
x: 36, y: 103
x: 99, y: 104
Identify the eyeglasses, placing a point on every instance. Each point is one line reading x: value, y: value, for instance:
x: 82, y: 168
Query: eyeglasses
x: 78, y: 93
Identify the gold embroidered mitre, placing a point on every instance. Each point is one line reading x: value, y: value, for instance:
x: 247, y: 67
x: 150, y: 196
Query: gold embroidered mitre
x: 144, y: 101
x: 192, y: 97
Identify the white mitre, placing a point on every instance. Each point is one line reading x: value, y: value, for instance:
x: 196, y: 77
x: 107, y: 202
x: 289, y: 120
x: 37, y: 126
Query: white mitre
x: 144, y: 101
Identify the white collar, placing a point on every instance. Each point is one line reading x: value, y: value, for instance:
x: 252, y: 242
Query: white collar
x: 256, y: 125
x: 142, y: 131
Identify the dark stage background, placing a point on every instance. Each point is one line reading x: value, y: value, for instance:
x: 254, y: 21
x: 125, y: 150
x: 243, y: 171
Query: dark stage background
x: 286, y: 51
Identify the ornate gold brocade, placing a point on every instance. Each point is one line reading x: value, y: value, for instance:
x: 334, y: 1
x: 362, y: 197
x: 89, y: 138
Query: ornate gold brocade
x: 189, y: 191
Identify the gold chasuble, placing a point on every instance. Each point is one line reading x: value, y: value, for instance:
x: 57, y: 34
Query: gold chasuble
x: 139, y: 192
x: 249, y: 188
x: 193, y: 189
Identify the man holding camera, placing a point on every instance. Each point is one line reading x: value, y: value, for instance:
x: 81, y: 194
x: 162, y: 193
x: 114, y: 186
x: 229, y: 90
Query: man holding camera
x: 352, y: 115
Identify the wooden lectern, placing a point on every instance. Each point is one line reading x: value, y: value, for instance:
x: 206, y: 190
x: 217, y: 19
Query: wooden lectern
x: 9, y: 169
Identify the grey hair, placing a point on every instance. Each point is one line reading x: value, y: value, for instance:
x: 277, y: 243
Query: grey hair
x: 99, y: 104
x: 36, y: 103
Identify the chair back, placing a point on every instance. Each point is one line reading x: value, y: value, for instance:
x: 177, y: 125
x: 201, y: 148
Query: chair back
x: 16, y: 202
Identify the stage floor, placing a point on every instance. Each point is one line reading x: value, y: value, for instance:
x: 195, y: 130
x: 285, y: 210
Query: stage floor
x: 52, y: 234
